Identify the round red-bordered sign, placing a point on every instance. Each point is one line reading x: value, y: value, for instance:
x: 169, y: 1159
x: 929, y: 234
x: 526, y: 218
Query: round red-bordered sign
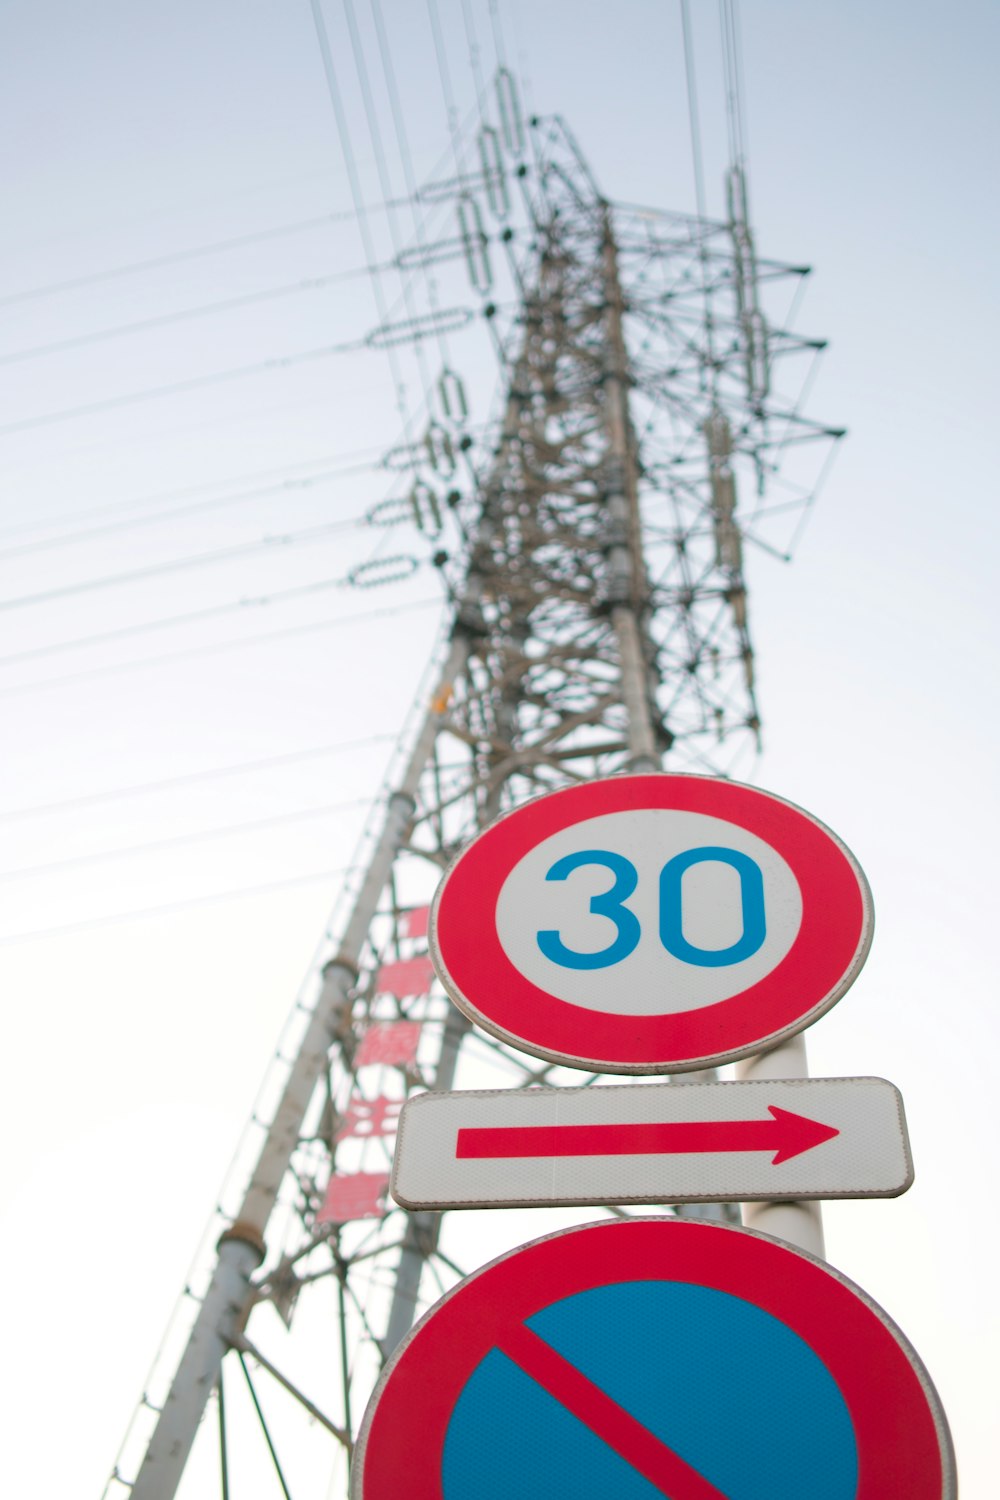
x: 655, y: 1356
x: 673, y: 972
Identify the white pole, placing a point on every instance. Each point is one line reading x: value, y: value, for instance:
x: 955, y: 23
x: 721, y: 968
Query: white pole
x: 799, y: 1222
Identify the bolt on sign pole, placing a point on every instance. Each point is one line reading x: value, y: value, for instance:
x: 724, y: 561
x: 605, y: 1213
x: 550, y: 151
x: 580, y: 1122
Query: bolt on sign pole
x: 599, y: 627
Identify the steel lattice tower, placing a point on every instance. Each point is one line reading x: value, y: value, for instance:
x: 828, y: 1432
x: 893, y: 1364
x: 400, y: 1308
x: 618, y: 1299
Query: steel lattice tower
x: 599, y: 624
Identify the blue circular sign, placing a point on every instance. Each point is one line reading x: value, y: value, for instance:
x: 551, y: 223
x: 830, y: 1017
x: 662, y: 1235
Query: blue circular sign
x: 727, y: 1387
x: 655, y: 1357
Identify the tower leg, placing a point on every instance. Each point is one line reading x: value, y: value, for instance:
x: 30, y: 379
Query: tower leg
x: 212, y: 1334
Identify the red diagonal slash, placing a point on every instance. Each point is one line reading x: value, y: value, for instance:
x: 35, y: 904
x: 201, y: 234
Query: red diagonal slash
x: 633, y: 1442
x: 787, y: 1134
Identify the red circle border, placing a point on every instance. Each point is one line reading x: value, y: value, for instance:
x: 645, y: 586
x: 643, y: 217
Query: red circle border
x: 825, y: 958
x: 903, y: 1443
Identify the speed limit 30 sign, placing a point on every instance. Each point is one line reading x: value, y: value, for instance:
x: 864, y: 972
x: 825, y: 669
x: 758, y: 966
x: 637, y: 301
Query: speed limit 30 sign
x: 651, y: 924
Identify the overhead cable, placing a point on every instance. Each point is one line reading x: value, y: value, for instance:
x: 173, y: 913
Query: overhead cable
x: 137, y: 502
x: 217, y: 502
x: 444, y: 76
x: 361, y: 214
x: 142, y: 789
x: 382, y: 168
x: 200, y: 835
x: 169, y: 622
x: 173, y: 906
x: 181, y: 564
x: 406, y: 160
x: 496, y: 25
x: 173, y: 257
x: 708, y: 317
x: 178, y: 387
x: 733, y: 71
x: 218, y: 648
x: 182, y: 315
x: 693, y: 119
x: 475, y: 52
x: 373, y: 269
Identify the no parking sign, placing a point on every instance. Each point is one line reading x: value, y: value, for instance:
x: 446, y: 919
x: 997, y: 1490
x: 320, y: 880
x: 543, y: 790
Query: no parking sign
x: 651, y: 924
x: 655, y: 1357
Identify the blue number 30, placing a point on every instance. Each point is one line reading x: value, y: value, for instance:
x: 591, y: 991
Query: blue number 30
x: 611, y: 904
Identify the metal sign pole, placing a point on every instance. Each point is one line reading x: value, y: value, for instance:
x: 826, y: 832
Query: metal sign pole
x: 799, y: 1222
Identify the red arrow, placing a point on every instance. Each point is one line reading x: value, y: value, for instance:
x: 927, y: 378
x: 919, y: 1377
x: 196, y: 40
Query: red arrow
x: 786, y: 1134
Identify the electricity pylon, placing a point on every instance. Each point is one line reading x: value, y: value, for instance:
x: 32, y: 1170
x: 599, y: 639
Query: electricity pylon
x: 599, y: 624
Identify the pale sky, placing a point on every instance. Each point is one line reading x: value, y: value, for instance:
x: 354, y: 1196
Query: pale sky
x: 134, y: 1047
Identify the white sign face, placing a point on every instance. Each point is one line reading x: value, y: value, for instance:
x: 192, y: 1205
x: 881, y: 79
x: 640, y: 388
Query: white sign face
x: 650, y: 924
x: 653, y: 1143
x: 712, y: 902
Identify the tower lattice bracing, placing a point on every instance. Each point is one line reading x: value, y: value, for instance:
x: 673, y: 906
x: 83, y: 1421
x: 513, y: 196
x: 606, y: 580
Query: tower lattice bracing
x: 598, y: 623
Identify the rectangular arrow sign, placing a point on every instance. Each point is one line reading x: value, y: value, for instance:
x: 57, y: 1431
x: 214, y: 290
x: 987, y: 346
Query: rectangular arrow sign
x: 653, y: 1143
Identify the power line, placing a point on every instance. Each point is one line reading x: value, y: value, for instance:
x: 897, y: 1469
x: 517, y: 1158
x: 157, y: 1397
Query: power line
x: 168, y: 622
x: 733, y: 70
x: 475, y: 54
x: 181, y: 564
x: 406, y: 160
x: 361, y: 214
x: 451, y: 111
x: 382, y: 168
x: 202, y: 835
x: 153, y: 263
x: 218, y: 648
x: 708, y: 319
x: 141, y: 789
x: 372, y: 269
x: 163, y: 320
x: 176, y: 494
x: 692, y: 96
x: 178, y: 387
x: 196, y: 252
x: 283, y: 486
x: 496, y: 24
x: 173, y: 906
